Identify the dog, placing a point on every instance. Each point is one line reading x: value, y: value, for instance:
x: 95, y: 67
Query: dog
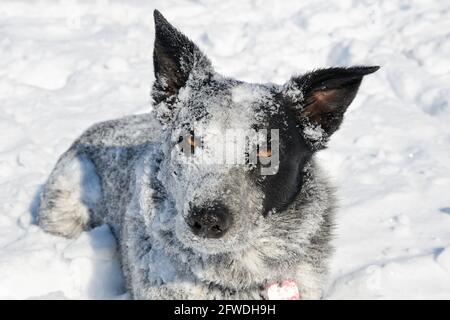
x: 189, y: 226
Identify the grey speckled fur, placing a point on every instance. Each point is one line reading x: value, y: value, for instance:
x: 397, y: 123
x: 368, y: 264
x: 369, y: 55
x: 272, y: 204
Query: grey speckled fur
x: 129, y: 173
x: 124, y: 157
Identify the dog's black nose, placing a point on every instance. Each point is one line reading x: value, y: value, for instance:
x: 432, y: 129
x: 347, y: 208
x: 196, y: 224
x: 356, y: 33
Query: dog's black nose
x: 210, y: 221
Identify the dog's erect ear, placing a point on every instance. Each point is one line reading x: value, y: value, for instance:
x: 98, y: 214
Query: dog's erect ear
x: 175, y: 57
x: 320, y: 99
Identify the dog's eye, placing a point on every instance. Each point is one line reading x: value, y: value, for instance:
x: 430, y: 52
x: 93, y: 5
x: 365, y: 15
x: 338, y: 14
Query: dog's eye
x: 267, y: 153
x: 191, y: 141
x: 188, y: 143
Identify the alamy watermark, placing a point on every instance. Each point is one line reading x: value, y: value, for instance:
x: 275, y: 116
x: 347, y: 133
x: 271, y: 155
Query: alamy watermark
x: 234, y: 147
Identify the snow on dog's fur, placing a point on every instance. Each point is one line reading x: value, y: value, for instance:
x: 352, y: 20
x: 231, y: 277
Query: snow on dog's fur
x: 190, y: 226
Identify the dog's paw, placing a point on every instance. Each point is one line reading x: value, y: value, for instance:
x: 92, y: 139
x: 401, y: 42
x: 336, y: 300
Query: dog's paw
x: 173, y: 291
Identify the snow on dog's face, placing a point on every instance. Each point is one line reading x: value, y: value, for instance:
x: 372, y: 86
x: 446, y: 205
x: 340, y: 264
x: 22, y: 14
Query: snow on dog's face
x: 235, y: 152
x: 220, y: 161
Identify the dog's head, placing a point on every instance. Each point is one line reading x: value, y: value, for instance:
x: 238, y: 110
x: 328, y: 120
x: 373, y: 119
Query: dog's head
x: 235, y: 151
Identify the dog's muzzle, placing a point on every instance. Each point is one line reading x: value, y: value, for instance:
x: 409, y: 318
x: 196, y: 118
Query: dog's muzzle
x: 209, y: 221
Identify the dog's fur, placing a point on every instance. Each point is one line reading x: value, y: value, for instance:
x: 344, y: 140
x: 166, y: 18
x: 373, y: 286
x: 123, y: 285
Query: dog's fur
x: 131, y: 174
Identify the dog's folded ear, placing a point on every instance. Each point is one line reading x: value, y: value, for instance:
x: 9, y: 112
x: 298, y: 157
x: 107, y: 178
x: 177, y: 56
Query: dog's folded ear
x: 175, y: 58
x: 320, y: 99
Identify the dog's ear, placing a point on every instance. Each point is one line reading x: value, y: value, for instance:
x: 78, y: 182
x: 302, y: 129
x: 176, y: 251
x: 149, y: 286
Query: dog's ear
x: 175, y: 58
x: 319, y: 100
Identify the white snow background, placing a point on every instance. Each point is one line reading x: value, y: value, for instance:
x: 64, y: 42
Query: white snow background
x: 66, y: 65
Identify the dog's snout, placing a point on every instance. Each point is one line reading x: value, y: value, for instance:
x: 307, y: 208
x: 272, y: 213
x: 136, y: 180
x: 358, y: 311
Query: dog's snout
x: 210, y: 221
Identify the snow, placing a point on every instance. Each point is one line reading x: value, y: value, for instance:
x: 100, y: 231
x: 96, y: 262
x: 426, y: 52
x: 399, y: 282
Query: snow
x: 66, y: 65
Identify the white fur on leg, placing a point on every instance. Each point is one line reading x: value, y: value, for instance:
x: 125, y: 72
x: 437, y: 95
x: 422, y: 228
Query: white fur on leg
x: 310, y: 282
x: 71, y: 192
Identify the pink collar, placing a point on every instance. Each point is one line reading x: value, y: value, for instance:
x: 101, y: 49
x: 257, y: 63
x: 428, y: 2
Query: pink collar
x: 281, y: 290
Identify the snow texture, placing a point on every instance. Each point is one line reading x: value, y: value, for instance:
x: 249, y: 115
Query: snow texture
x: 66, y: 65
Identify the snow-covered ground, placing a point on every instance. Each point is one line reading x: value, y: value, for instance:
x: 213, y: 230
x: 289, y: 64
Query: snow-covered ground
x: 66, y: 65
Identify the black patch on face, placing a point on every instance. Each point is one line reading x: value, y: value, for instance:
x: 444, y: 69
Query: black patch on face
x: 281, y: 188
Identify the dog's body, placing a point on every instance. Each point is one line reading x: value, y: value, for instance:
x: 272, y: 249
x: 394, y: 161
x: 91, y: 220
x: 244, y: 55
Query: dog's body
x: 190, y: 230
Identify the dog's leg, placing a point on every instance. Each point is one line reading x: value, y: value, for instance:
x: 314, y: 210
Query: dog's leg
x: 310, y: 282
x: 186, y: 290
x: 70, y: 196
